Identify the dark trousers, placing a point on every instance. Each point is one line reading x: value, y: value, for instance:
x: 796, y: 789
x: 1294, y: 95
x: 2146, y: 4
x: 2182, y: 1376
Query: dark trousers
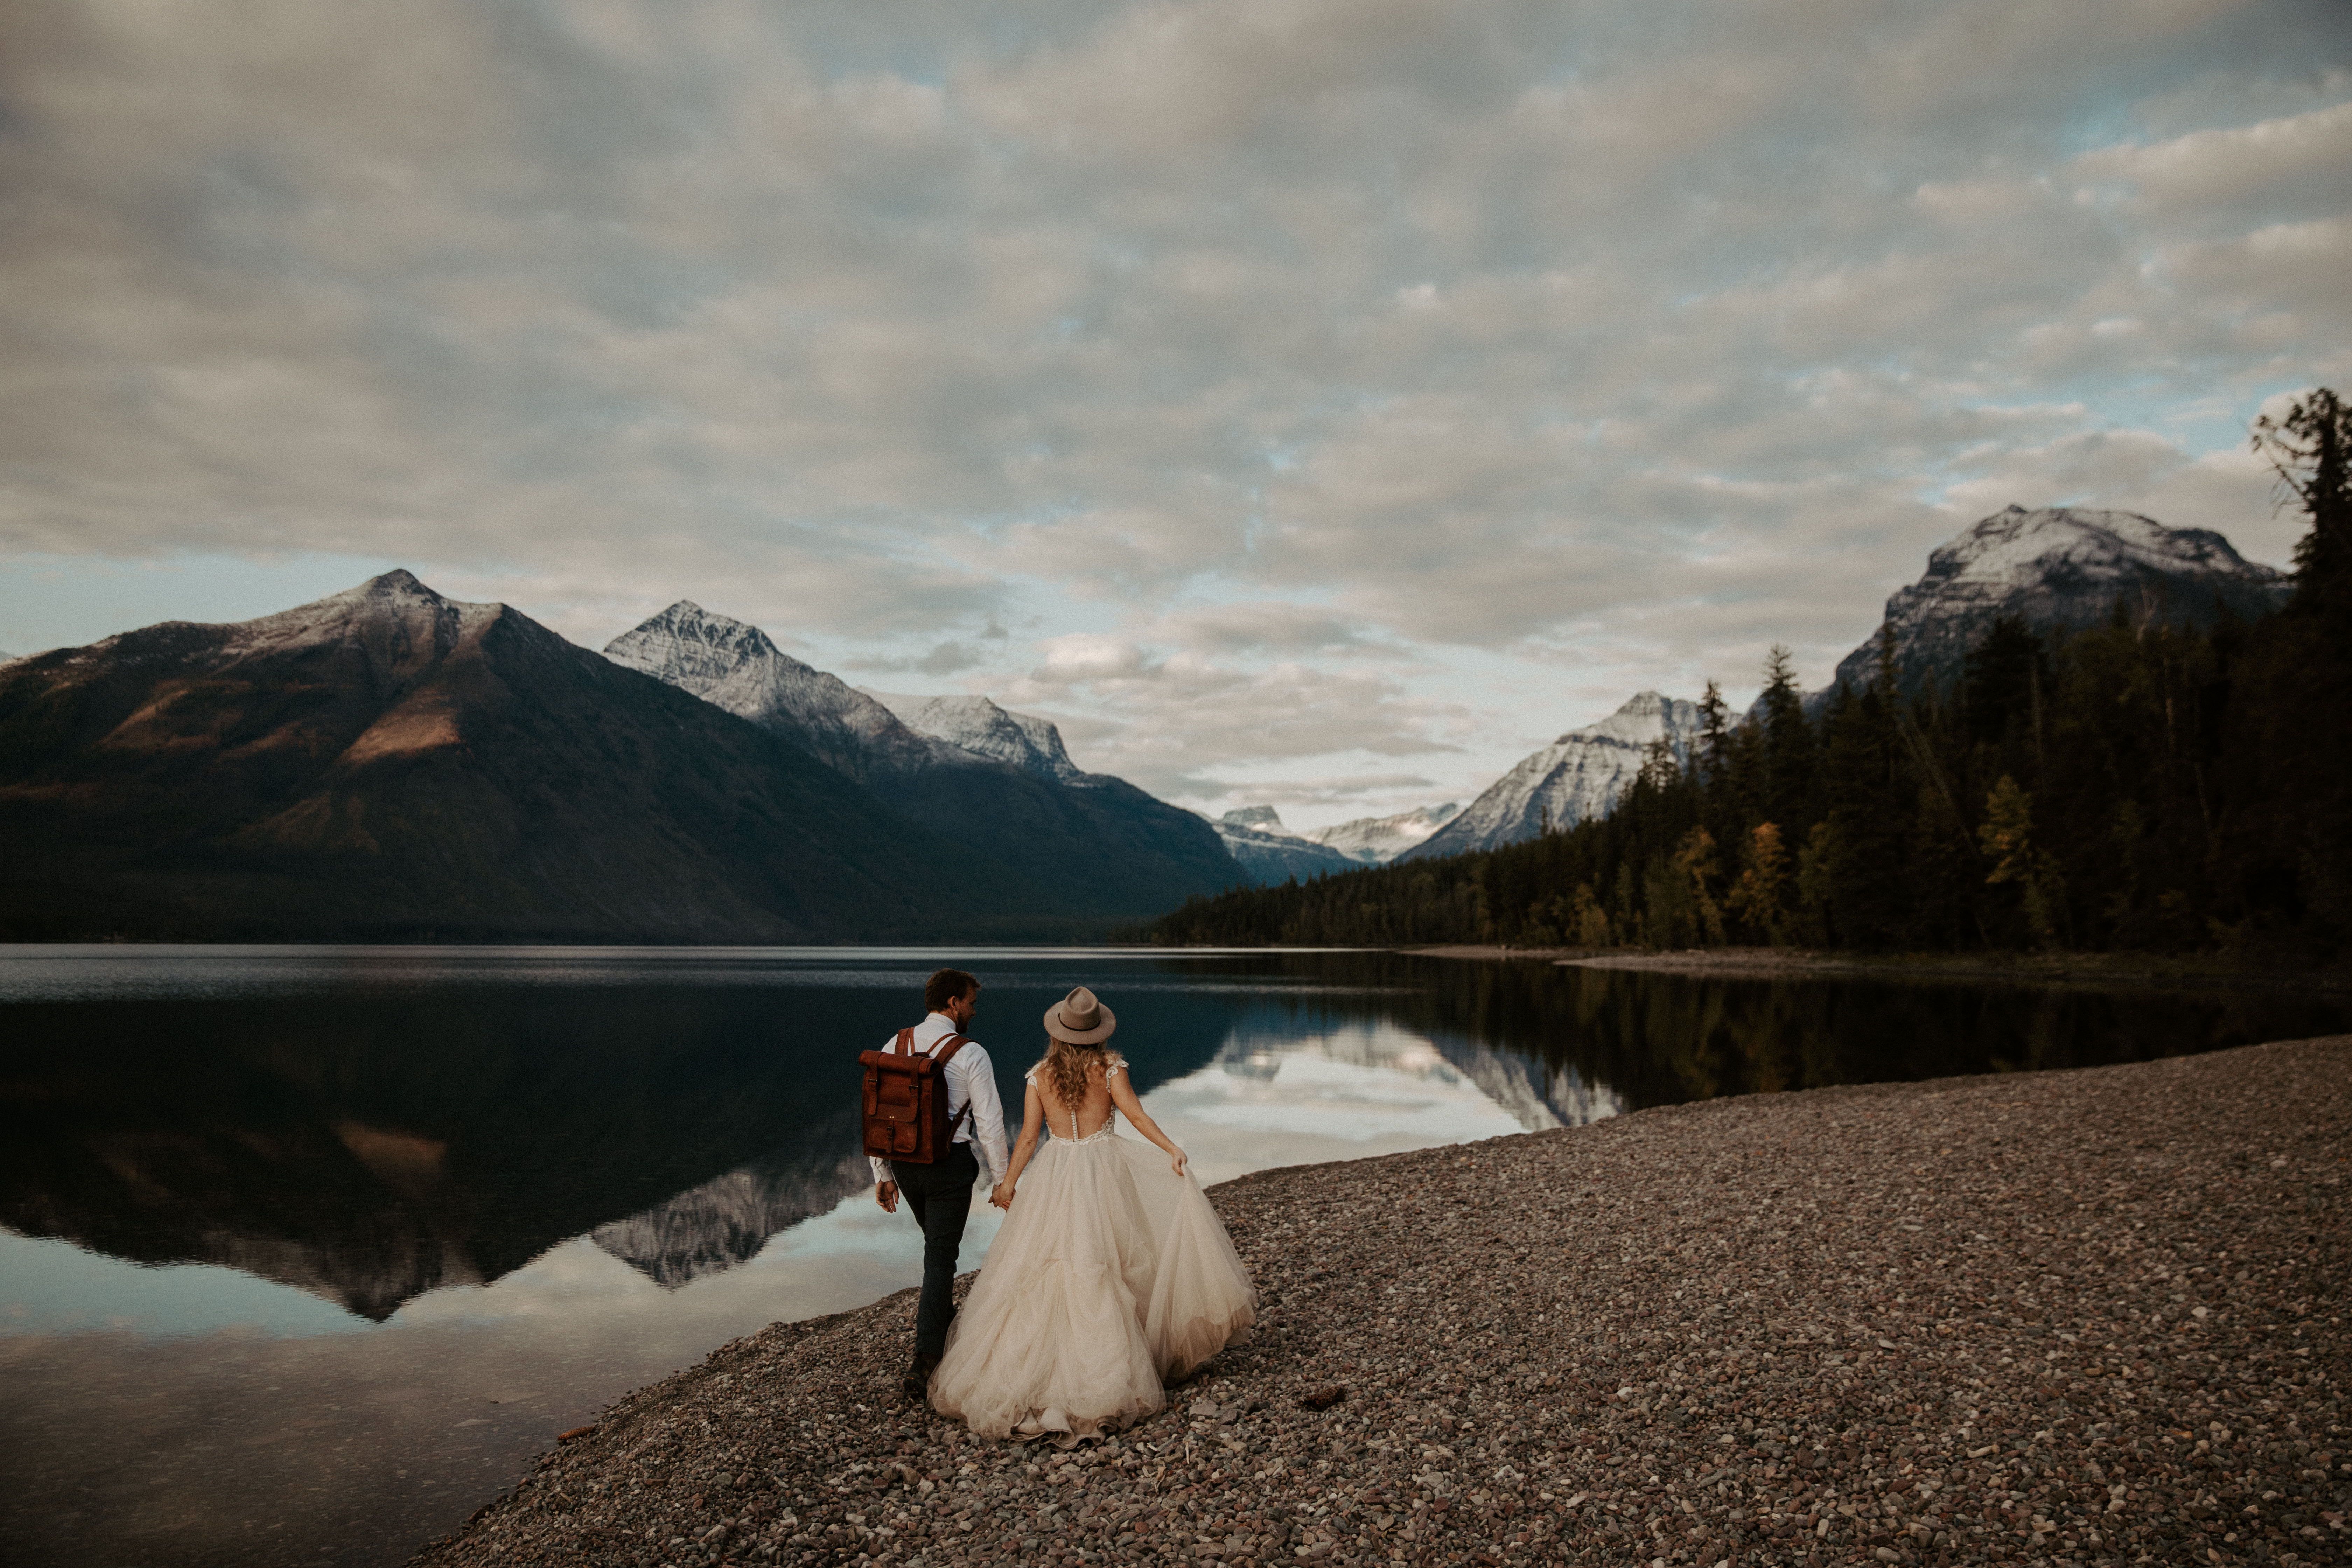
x: 939, y: 1197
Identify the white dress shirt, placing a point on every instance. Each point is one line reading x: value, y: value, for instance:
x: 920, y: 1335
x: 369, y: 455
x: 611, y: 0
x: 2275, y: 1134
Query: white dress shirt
x: 970, y: 1081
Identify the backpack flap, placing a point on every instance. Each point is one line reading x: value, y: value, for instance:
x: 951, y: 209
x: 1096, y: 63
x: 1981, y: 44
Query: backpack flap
x: 905, y: 1099
x: 895, y: 1085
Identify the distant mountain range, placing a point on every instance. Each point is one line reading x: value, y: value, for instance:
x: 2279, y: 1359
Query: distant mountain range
x: 1271, y: 852
x: 1377, y: 840
x: 389, y: 765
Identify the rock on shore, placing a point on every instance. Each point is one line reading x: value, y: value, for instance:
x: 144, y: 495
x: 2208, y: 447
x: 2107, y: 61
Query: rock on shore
x: 2070, y: 1318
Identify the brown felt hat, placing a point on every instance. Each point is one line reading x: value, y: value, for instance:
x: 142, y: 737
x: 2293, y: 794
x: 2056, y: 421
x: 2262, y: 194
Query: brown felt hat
x: 1080, y: 1019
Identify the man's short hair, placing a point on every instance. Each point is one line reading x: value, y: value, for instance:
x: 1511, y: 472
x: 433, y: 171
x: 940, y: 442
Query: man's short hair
x: 947, y: 986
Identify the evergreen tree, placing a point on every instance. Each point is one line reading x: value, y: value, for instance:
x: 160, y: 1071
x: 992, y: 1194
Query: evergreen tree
x: 1870, y: 811
x: 1788, y: 740
x: 2287, y: 845
x: 2310, y: 449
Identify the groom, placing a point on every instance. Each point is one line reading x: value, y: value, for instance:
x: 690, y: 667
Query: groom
x: 940, y: 1194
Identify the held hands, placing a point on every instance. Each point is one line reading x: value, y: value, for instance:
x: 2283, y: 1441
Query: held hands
x: 887, y: 1194
x: 1002, y: 1194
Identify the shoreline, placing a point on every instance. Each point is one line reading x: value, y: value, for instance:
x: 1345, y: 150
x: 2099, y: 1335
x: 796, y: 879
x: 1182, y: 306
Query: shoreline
x: 2094, y: 969
x: 2089, y: 1316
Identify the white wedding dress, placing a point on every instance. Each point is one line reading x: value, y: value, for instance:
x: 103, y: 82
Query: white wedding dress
x: 1110, y: 1277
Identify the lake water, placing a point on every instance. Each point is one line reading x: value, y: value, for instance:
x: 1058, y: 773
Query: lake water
x: 305, y: 1252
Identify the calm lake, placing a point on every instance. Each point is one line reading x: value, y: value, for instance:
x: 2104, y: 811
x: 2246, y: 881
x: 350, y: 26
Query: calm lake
x: 305, y: 1252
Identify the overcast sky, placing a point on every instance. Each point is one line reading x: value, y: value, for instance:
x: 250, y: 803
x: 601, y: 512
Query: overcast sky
x: 1318, y: 402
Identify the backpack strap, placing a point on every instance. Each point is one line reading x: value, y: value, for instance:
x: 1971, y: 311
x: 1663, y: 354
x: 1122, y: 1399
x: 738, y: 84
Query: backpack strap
x: 943, y: 1052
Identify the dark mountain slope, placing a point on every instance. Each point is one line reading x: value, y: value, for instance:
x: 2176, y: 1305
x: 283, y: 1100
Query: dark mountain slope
x: 1092, y: 848
x: 387, y: 764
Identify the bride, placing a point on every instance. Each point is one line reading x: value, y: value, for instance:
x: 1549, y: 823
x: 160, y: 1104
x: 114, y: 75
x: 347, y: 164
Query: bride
x: 1111, y: 1276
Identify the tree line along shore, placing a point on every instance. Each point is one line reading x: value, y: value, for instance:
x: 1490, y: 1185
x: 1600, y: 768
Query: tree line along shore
x: 2139, y: 787
x: 2094, y: 1316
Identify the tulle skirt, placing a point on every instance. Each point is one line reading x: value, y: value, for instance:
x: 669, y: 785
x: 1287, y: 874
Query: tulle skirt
x: 1110, y: 1277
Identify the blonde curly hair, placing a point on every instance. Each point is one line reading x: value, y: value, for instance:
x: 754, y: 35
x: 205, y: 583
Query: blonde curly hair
x: 1069, y: 1069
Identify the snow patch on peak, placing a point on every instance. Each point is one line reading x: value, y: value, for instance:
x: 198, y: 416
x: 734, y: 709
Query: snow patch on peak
x: 2014, y: 547
x: 1645, y: 717
x: 394, y: 615
x: 1271, y: 853
x: 1377, y: 840
x: 395, y: 590
x: 2057, y: 567
x: 1577, y: 777
x: 694, y: 649
x: 734, y: 665
x: 979, y: 725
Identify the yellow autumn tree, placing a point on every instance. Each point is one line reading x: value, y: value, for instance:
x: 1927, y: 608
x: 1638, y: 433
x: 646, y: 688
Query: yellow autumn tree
x: 1588, y: 921
x: 1695, y: 860
x: 1759, y: 896
x: 2007, y: 838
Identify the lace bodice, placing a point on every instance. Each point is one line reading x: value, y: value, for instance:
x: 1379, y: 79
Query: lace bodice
x: 1110, y: 1121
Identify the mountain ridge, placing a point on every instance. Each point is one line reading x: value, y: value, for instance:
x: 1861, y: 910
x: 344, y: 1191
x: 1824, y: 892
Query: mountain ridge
x: 1090, y: 847
x: 978, y: 725
x: 385, y: 764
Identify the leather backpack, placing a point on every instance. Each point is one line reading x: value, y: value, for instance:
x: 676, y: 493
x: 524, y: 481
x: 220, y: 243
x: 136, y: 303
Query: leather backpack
x: 906, y: 1100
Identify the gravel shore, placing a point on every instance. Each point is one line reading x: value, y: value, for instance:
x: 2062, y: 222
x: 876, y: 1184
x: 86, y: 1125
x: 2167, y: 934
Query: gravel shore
x: 2071, y: 1318
x: 2096, y: 970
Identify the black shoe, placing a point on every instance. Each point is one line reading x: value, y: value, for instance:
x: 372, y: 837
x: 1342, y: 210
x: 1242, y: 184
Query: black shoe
x: 916, y: 1383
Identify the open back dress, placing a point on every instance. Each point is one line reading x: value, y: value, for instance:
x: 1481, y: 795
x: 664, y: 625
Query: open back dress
x: 1110, y: 1277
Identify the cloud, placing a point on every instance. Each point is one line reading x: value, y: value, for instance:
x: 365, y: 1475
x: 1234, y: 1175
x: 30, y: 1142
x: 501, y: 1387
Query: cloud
x: 1241, y: 359
x: 2302, y: 159
x: 1186, y: 719
x: 1264, y: 626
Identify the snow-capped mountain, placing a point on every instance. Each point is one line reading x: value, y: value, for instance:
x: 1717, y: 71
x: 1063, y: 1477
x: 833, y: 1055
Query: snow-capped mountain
x: 1377, y: 840
x: 980, y: 726
x: 732, y: 665
x: 1579, y: 775
x: 1270, y: 852
x: 2058, y: 567
x: 1025, y: 822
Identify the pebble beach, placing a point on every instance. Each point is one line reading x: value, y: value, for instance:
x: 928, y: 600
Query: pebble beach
x: 2068, y: 1318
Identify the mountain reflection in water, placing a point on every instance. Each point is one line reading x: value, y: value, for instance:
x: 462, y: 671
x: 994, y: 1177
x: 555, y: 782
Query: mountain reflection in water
x: 1270, y: 1095
x: 308, y: 1250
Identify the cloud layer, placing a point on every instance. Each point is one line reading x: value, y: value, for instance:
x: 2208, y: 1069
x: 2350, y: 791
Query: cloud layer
x: 1285, y: 393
